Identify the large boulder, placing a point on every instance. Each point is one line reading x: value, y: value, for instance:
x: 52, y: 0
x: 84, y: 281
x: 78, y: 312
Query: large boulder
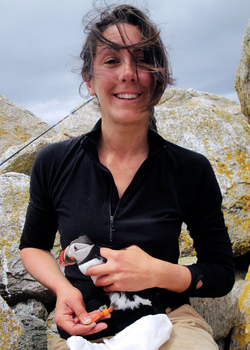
x: 242, y: 78
x: 17, y: 125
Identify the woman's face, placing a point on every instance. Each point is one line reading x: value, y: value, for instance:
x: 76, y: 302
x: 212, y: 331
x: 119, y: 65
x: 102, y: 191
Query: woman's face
x: 123, y: 87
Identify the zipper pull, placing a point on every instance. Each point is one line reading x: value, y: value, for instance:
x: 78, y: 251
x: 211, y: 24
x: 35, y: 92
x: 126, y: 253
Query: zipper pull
x: 112, y: 227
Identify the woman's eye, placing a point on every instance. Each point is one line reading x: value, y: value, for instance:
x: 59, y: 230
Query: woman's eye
x: 111, y: 61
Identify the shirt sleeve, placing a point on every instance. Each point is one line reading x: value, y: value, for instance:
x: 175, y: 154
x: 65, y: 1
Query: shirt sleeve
x: 205, y: 222
x: 41, y: 219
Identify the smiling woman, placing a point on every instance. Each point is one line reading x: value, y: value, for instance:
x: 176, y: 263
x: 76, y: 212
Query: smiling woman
x: 129, y: 191
x: 146, y: 50
x: 121, y: 83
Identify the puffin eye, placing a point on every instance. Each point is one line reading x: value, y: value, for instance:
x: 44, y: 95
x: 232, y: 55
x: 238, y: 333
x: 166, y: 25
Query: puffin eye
x: 75, y: 248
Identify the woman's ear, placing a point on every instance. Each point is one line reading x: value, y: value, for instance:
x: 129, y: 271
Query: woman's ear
x: 90, y: 88
x: 89, y: 85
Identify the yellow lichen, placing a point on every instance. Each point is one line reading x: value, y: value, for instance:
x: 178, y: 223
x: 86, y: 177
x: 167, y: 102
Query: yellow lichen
x: 10, y: 330
x: 241, y: 334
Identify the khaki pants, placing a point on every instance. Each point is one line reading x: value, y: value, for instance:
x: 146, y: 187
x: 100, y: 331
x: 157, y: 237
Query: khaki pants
x: 190, y: 332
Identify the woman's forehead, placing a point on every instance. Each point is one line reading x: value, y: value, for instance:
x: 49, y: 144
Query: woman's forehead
x: 123, y: 33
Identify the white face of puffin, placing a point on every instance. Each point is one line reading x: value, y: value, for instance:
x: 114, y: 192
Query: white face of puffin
x: 79, y: 251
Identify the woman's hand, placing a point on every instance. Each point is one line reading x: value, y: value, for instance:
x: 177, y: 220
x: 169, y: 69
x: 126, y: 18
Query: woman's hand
x: 72, y: 316
x: 70, y: 308
x: 129, y: 269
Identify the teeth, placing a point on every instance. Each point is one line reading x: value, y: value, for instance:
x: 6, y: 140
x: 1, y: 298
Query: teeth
x: 128, y: 96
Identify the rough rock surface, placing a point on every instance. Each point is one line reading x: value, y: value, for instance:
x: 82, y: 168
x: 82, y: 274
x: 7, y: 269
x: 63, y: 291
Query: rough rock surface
x: 33, y: 315
x: 10, y: 327
x: 82, y: 121
x: 17, y: 125
x: 52, y: 332
x: 242, y: 79
x: 23, y: 160
x: 240, y: 338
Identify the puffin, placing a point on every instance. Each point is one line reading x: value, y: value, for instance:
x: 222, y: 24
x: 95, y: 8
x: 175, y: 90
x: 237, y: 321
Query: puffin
x: 83, y: 252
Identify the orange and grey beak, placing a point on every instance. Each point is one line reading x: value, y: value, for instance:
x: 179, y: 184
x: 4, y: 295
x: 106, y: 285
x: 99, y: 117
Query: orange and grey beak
x: 65, y: 259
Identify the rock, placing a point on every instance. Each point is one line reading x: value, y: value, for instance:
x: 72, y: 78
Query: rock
x: 17, y: 125
x: 33, y: 315
x: 23, y: 160
x: 16, y: 284
x: 242, y: 79
x: 82, y: 121
x: 240, y: 338
x: 10, y: 327
x: 181, y: 97
x: 52, y: 332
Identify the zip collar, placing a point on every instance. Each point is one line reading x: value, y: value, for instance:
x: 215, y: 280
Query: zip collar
x: 89, y: 141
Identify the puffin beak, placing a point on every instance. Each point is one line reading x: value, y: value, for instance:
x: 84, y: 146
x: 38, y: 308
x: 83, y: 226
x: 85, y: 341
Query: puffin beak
x: 65, y: 259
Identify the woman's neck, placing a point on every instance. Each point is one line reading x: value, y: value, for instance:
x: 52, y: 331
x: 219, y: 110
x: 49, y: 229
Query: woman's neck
x: 123, y: 141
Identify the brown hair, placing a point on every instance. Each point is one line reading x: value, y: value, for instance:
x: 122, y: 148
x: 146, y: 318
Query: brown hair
x: 155, y: 55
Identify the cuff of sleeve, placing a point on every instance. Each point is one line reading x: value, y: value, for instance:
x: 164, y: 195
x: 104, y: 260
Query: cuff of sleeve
x: 196, y: 276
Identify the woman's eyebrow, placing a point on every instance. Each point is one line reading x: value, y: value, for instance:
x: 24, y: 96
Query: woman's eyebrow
x: 107, y: 48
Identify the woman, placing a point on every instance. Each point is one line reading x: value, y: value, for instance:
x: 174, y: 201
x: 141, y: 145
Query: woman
x: 129, y: 191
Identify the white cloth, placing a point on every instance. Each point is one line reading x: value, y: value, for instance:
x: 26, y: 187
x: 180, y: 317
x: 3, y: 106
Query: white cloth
x: 147, y: 333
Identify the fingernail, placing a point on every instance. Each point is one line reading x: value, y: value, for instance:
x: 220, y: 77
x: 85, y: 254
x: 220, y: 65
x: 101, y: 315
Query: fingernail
x: 87, y: 320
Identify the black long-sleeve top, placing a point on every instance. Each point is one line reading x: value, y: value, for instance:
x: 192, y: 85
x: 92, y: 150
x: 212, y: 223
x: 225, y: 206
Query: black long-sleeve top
x: 70, y: 190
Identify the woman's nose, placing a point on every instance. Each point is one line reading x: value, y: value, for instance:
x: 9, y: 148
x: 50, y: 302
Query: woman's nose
x: 128, y: 71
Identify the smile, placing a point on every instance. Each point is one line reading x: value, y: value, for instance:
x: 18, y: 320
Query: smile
x: 127, y: 96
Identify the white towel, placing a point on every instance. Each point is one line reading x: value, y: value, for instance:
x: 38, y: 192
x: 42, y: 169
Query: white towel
x: 147, y: 333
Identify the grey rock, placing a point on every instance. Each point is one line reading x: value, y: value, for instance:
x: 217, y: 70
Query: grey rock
x: 52, y: 331
x: 242, y: 78
x: 33, y: 315
x: 17, y: 125
x: 14, y: 160
x: 82, y: 121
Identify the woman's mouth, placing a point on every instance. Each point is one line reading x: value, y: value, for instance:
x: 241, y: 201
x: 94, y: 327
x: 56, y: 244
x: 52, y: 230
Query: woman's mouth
x: 128, y: 96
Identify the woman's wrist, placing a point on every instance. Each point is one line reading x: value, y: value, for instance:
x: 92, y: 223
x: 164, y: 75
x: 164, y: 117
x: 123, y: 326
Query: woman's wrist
x: 174, y: 277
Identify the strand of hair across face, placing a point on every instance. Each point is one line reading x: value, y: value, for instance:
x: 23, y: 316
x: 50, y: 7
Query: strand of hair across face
x: 29, y: 143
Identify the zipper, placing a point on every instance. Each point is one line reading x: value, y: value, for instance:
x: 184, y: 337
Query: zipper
x: 112, y: 227
x: 112, y: 217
